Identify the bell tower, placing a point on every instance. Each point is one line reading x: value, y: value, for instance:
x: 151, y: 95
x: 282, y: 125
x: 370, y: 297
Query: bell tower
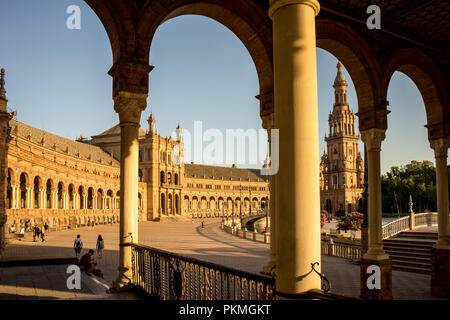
x: 341, y: 164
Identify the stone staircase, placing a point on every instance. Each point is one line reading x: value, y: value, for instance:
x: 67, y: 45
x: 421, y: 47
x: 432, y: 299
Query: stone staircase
x: 411, y: 251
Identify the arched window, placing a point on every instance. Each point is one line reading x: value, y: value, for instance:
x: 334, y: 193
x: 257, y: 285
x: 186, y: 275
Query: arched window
x: 23, y: 191
x: 162, y: 178
x: 36, y: 189
x: 176, y: 179
x: 49, y: 194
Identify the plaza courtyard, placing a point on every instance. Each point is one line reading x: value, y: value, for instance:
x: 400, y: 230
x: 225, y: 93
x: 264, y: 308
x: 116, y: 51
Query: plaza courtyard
x: 180, y: 236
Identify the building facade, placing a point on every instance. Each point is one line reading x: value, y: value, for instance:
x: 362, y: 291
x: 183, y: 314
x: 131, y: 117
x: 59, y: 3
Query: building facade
x: 175, y: 188
x: 341, y: 165
x: 68, y: 183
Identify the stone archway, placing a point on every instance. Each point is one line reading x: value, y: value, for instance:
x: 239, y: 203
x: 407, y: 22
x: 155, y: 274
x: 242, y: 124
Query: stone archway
x: 429, y: 80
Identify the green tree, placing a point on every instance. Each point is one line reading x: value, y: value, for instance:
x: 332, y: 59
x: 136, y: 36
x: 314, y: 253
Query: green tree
x: 417, y: 179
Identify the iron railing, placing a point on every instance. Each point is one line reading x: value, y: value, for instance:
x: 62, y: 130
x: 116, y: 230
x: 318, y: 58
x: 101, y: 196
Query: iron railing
x: 169, y: 276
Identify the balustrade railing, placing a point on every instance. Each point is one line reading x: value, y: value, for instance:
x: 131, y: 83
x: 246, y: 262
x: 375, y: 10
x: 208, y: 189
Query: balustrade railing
x: 168, y: 276
x: 341, y: 250
x: 420, y: 220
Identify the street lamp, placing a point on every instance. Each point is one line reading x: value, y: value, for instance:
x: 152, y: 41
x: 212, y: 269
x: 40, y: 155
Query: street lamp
x: 232, y: 212
x: 240, y: 201
x: 250, y: 191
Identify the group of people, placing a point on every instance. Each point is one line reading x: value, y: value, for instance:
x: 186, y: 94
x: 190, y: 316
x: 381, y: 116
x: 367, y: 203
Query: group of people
x: 40, y: 232
x: 86, y: 262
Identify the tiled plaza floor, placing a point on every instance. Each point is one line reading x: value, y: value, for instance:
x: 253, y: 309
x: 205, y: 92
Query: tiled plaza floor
x: 209, y: 244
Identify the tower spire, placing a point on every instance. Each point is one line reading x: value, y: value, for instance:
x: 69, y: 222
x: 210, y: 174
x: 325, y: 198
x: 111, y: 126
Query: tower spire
x: 340, y: 87
x: 151, y: 123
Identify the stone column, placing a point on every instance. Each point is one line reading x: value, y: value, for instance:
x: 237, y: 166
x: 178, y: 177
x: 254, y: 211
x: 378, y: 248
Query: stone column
x: 440, y: 254
x: 129, y: 107
x: 29, y: 198
x: 297, y: 193
x: 269, y: 268
x: 42, y: 204
x: 375, y: 255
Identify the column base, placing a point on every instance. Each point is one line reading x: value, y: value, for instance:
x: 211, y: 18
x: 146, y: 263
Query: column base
x: 440, y: 272
x: 123, y: 282
x: 384, y: 292
x: 269, y: 269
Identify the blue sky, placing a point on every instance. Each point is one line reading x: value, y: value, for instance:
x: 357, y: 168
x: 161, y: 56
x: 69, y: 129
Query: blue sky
x: 57, y: 79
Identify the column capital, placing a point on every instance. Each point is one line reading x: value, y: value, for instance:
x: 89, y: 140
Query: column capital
x: 129, y: 106
x: 277, y: 4
x: 130, y: 76
x: 374, y: 118
x: 440, y: 147
x: 373, y: 138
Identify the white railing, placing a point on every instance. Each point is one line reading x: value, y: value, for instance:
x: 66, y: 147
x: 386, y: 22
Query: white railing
x: 394, y: 227
x: 426, y: 219
x: 341, y: 250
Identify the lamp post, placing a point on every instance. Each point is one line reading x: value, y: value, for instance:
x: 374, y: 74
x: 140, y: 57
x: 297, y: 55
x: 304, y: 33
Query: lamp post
x: 240, y: 201
x: 267, y: 214
x: 250, y: 192
x: 232, y: 212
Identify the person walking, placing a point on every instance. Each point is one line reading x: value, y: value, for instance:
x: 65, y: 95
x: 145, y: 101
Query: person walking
x: 203, y: 224
x: 78, y: 245
x: 42, y: 235
x: 46, y: 227
x: 37, y: 232
x: 100, y: 246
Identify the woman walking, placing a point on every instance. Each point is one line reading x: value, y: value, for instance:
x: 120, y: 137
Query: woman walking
x: 100, y: 245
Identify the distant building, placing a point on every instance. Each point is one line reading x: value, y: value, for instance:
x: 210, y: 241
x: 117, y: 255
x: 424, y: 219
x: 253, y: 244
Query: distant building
x: 341, y: 165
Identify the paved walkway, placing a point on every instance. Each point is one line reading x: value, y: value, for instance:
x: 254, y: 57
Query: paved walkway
x: 209, y: 244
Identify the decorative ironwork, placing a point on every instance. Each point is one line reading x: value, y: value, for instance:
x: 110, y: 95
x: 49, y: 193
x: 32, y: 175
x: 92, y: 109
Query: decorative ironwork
x: 326, y: 286
x: 169, y: 276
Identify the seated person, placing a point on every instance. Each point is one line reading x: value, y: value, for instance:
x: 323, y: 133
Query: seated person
x: 86, y: 263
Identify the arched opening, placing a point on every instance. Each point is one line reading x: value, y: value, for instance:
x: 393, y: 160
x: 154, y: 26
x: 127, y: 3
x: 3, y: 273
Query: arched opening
x: 163, y: 203
x: 60, y: 195
x: 118, y: 200
x: 99, y: 199
x: 109, y: 201
x: 204, y: 204
x: 37, y: 190
x: 9, y: 189
x: 162, y: 178
x: 48, y: 193
x: 176, y: 179
x: 23, y: 190
x: 169, y: 204
x: 408, y: 169
x: 187, y: 204
x: 169, y: 178
x: 141, y: 176
x: 177, y: 204
x: 71, y: 196
x: 81, y: 197
x: 90, y: 198
x: 195, y: 203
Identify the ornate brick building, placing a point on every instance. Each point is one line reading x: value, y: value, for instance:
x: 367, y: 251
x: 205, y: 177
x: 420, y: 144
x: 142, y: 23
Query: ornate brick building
x: 341, y: 166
